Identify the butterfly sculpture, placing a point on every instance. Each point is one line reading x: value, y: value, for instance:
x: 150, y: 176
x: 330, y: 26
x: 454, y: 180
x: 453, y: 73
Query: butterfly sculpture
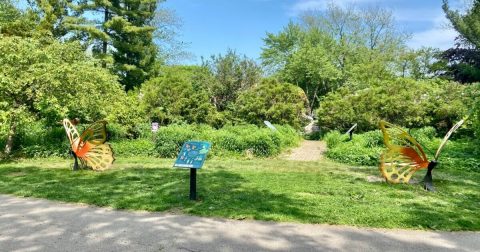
x: 90, y: 146
x: 404, y: 155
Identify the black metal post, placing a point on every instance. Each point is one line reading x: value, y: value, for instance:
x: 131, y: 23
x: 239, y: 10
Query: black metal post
x: 75, y: 164
x: 193, y: 184
x: 351, y: 135
x: 428, y: 180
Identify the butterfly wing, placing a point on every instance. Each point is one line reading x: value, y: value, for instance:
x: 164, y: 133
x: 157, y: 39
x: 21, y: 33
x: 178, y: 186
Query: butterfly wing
x: 99, y: 157
x: 92, y: 150
x: 96, y: 133
x: 447, y: 136
x: 72, y: 134
x: 403, y: 157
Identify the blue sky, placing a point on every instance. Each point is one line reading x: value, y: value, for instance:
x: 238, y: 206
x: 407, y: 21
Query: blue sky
x: 212, y: 26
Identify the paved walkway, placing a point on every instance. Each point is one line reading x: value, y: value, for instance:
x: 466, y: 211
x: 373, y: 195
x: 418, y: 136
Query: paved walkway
x: 308, y: 151
x: 41, y: 225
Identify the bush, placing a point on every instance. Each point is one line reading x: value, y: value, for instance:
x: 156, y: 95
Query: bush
x: 365, y: 149
x: 406, y: 102
x: 134, y: 147
x: 280, y: 103
x: 227, y: 141
x: 37, y: 140
x: 172, y: 98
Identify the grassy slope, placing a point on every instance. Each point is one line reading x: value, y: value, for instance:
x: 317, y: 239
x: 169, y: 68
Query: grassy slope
x: 310, y: 192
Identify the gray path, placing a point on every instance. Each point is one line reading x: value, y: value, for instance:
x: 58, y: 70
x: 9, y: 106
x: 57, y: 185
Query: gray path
x: 308, y: 151
x: 41, y: 225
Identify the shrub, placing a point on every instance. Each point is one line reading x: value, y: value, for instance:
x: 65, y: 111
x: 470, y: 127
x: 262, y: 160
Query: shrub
x: 134, y: 147
x: 365, y: 149
x: 172, y: 98
x: 280, y: 103
x: 402, y: 101
x: 227, y: 141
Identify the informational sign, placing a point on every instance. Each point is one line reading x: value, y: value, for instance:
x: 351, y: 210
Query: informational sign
x: 192, y: 155
x: 270, y: 125
x: 351, y: 129
x: 154, y: 126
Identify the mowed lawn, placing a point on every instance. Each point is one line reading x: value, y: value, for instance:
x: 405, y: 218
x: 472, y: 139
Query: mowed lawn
x: 262, y: 189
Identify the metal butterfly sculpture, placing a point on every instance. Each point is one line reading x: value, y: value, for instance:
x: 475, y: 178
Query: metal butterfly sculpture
x: 90, y: 146
x: 404, y: 155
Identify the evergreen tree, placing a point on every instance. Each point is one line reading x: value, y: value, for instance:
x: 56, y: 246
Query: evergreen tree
x: 122, y: 29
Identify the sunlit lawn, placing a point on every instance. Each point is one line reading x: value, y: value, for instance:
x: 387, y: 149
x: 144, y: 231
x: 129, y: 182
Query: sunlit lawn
x: 264, y: 189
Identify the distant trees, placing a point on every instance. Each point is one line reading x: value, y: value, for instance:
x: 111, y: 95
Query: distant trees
x: 232, y: 74
x: 463, y: 61
x: 337, y: 47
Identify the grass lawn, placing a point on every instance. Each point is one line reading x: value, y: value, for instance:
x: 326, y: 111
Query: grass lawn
x: 263, y: 189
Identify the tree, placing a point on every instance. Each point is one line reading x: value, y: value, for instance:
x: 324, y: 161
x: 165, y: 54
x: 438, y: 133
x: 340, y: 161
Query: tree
x: 233, y: 74
x: 311, y: 69
x: 418, y: 64
x: 468, y: 24
x: 333, y: 48
x: 124, y: 31
x: 279, y: 103
x: 50, y: 81
x: 462, y: 63
x: 14, y: 22
x: 173, y: 98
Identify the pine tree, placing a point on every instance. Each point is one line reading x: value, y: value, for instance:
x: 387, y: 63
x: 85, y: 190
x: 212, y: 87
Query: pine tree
x: 120, y: 29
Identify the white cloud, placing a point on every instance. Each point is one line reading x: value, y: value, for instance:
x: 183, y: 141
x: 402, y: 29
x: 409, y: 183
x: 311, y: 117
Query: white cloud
x: 439, y: 36
x: 442, y: 38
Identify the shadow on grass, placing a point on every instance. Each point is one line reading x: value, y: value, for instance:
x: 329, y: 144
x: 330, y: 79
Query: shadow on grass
x: 220, y: 192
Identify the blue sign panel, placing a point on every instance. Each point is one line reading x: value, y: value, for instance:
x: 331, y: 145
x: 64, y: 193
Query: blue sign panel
x: 192, y: 155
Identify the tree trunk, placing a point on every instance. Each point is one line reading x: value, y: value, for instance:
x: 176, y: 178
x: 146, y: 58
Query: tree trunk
x: 10, y: 137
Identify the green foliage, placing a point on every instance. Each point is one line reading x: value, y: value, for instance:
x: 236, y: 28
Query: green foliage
x: 52, y: 81
x: 365, y: 149
x: 402, y: 101
x: 14, y: 22
x: 141, y: 147
x: 228, y: 141
x: 279, y: 103
x: 37, y: 139
x: 123, y: 32
x: 466, y: 24
x: 172, y: 98
x: 334, y: 48
x: 232, y: 74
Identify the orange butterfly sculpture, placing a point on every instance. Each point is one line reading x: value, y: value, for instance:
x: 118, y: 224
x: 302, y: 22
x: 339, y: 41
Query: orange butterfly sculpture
x: 404, y: 155
x: 90, y: 146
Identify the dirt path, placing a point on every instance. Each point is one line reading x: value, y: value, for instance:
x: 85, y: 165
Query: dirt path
x: 40, y: 225
x: 308, y: 151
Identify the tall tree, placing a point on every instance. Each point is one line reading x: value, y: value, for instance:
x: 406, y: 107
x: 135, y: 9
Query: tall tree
x: 336, y: 47
x: 233, y: 74
x: 15, y: 22
x: 467, y: 24
x: 463, y: 61
x: 122, y: 29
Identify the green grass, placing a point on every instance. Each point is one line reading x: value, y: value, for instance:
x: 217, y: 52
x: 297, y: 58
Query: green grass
x: 263, y: 189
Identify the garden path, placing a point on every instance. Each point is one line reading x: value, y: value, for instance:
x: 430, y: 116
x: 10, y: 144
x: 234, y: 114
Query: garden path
x: 308, y: 151
x: 28, y: 224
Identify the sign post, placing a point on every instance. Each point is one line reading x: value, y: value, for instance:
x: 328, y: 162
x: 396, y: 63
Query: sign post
x: 350, y: 131
x: 192, y: 155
